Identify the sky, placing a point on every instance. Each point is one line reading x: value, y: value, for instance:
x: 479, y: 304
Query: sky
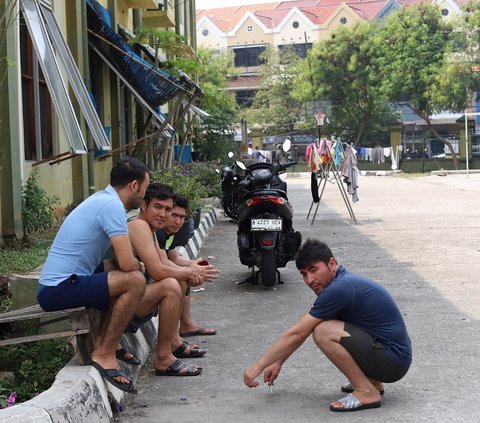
x: 212, y: 4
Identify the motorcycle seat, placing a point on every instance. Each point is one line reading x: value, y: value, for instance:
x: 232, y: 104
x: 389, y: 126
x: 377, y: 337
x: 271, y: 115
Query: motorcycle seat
x: 279, y: 192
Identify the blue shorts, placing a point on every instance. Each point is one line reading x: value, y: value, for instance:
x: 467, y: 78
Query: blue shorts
x: 77, y: 291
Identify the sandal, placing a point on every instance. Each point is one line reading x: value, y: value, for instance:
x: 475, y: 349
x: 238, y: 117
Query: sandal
x: 176, y: 368
x: 351, y: 403
x: 348, y: 388
x: 121, y: 355
x: 110, y: 374
x: 180, y: 352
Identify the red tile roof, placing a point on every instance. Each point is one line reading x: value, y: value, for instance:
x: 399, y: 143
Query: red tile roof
x: 318, y: 11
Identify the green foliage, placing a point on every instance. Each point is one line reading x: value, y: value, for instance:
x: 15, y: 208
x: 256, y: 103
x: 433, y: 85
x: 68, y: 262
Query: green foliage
x: 183, y: 181
x: 37, y: 206
x: 4, y: 392
x: 179, y: 53
x: 26, y: 259
x: 462, y: 73
x: 213, y: 138
x: 345, y: 71
x: 205, y: 172
x: 274, y: 107
x: 415, y: 49
x: 34, y: 366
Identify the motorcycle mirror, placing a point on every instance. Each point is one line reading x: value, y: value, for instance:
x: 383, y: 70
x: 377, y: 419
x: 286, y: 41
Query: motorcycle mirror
x: 240, y: 165
x: 231, y: 154
x: 287, y: 144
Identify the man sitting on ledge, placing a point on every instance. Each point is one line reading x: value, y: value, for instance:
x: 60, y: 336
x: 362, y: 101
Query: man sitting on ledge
x: 163, y: 293
x: 74, y: 274
x: 167, y: 242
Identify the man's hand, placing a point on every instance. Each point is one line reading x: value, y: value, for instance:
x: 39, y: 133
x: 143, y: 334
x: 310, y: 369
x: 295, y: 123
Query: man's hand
x: 250, y: 375
x: 271, y: 373
x: 141, y: 266
x: 206, y: 273
x: 195, y: 280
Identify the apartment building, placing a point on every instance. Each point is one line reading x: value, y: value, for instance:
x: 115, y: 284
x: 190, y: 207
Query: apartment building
x: 246, y: 31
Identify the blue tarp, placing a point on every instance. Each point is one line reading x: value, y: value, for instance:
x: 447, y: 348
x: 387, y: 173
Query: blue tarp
x: 155, y: 85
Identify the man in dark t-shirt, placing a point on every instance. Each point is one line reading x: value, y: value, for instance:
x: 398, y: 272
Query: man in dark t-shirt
x: 356, y: 324
x: 208, y: 272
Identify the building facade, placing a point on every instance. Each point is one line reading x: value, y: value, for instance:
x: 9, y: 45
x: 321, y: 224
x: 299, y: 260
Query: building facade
x: 74, y: 98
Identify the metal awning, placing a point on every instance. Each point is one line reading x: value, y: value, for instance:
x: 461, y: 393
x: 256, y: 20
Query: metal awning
x: 157, y: 115
x: 51, y: 48
x: 154, y: 85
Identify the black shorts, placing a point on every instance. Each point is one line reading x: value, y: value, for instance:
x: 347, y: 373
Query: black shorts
x: 77, y: 291
x: 370, y: 355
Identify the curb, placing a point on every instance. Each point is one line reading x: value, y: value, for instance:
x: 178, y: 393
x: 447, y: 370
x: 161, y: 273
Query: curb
x: 79, y: 394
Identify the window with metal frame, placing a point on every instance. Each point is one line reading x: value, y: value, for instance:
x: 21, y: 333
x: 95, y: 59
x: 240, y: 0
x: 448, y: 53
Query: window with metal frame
x: 37, y: 104
x: 52, y: 52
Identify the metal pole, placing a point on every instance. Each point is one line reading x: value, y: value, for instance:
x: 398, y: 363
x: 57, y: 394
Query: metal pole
x: 466, y: 140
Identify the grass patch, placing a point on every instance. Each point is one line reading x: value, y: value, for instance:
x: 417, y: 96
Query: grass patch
x: 412, y: 175
x: 26, y: 259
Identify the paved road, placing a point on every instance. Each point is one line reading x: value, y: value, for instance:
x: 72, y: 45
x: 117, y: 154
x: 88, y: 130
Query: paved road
x: 418, y: 237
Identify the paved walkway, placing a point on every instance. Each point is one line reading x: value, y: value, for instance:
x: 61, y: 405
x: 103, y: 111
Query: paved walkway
x: 416, y: 236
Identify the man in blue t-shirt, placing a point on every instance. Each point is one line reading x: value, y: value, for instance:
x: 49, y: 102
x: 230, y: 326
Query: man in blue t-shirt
x: 356, y: 324
x: 76, y: 275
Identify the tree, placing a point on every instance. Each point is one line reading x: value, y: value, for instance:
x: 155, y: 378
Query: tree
x: 463, y: 68
x: 345, y: 70
x: 180, y: 61
x: 213, y: 138
x: 273, y: 105
x: 416, y: 50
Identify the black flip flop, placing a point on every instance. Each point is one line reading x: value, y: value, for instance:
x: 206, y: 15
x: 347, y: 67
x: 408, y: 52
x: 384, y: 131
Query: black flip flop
x: 122, y: 352
x: 109, y: 374
x: 177, y: 366
x: 194, y: 352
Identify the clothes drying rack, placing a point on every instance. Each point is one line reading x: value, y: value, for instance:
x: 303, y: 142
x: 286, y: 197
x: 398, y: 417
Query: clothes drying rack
x: 324, y: 170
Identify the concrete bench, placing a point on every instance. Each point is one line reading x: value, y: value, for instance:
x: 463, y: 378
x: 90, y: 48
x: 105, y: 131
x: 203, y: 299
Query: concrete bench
x: 82, y: 323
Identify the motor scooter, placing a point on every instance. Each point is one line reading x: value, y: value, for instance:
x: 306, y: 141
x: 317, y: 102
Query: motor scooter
x: 230, y: 179
x: 266, y: 238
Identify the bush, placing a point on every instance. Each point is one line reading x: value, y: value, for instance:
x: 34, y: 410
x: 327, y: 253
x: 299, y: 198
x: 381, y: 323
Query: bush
x: 205, y: 172
x: 183, y: 181
x: 37, y: 206
x: 34, y: 366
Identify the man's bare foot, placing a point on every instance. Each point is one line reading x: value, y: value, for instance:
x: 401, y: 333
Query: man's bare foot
x: 195, y: 330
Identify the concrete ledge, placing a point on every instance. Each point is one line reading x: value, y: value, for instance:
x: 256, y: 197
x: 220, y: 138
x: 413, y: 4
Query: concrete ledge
x: 79, y: 394
x: 453, y: 172
x: 379, y: 172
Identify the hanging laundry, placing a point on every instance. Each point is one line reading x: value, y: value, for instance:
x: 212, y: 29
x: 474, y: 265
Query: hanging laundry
x: 387, y: 151
x: 337, y: 153
x: 324, y: 151
x: 350, y: 172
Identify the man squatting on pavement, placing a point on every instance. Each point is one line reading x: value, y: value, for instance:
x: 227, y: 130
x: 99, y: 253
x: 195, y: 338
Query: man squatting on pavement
x: 355, y: 323
x: 76, y: 275
x: 164, y: 290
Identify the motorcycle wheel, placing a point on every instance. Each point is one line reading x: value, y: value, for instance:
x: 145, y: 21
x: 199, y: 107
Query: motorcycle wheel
x: 268, y: 273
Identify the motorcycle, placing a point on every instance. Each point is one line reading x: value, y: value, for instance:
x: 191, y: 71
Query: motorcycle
x: 230, y: 180
x: 265, y: 237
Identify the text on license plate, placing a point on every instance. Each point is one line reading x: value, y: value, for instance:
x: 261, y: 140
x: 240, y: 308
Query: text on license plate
x: 266, y: 224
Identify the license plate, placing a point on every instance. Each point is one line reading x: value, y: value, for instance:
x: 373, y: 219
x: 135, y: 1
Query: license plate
x: 266, y: 224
